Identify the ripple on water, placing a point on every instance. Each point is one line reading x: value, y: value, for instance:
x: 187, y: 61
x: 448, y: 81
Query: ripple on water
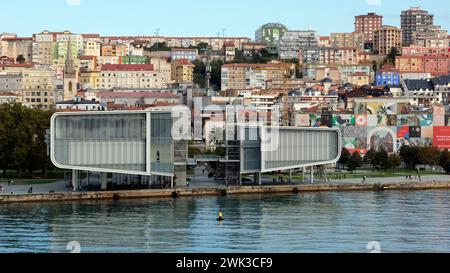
x: 416, y: 221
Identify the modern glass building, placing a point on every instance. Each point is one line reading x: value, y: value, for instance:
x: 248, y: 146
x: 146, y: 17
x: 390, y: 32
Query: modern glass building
x: 142, y: 143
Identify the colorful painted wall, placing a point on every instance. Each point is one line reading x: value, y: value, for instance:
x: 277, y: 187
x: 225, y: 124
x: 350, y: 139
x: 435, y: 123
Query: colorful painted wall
x: 387, y: 125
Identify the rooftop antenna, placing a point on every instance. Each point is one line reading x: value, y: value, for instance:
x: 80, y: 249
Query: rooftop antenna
x: 157, y: 32
x: 223, y: 32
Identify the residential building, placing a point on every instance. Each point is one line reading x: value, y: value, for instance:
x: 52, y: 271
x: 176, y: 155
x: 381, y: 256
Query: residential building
x: 88, y: 62
x: 20, y: 46
x: 387, y: 75
x: 294, y: 40
x: 80, y: 104
x: 414, y: 50
x: 184, y: 53
x: 270, y: 34
x: 359, y: 79
x: 182, y: 71
x: 413, y: 20
x: 10, y: 82
x: 137, y: 98
x: 134, y: 60
x: 229, y: 51
x: 427, y: 92
x: 386, y: 38
x: 115, y: 50
x: 430, y: 36
x: 4, y: 44
x: 249, y: 76
x: 367, y: 25
x: 92, y: 48
x: 130, y: 76
x: 434, y: 62
x: 250, y: 48
x: 6, y: 98
x: 328, y: 55
x: 38, y: 90
x: 349, y: 40
x: 325, y: 41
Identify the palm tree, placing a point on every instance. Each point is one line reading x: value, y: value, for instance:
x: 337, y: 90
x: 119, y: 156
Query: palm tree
x: 20, y: 59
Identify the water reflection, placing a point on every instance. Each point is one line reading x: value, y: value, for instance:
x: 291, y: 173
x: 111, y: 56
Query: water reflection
x: 415, y: 221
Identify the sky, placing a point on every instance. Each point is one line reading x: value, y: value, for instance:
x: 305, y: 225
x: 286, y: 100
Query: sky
x: 201, y: 17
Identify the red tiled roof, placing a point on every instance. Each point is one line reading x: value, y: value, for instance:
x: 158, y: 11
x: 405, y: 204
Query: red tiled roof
x: 183, y: 62
x: 86, y: 57
x: 229, y: 44
x: 360, y: 74
x: 18, y: 39
x: 90, y: 35
x: 9, y: 95
x: 255, y: 65
x: 324, y: 38
x: 127, y: 67
x: 142, y: 94
x: 25, y: 65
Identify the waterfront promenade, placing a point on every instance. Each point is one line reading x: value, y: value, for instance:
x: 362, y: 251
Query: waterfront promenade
x: 200, y: 187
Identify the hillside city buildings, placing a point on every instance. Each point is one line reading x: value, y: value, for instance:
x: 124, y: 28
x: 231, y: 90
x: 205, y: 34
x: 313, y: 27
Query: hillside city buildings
x: 344, y: 79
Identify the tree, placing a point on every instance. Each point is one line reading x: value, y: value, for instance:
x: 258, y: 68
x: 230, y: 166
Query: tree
x: 380, y: 160
x: 345, y: 156
x: 392, y: 55
x: 216, y: 74
x: 20, y: 59
x: 428, y: 155
x: 446, y: 167
x: 444, y: 161
x: 22, y: 139
x: 444, y: 157
x: 202, y: 47
x: 410, y: 155
x: 158, y: 47
x: 393, y: 161
x: 199, y: 73
x: 370, y: 156
x: 355, y: 161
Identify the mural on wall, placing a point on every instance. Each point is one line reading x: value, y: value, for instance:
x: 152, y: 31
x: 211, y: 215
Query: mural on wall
x: 442, y: 137
x: 382, y: 137
x: 390, y: 131
x: 315, y: 120
x: 302, y: 120
x: 343, y: 120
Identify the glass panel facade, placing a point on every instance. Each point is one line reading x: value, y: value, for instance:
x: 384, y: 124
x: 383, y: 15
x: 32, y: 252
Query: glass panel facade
x: 161, y: 150
x: 299, y: 147
x: 251, y: 150
x: 107, y: 141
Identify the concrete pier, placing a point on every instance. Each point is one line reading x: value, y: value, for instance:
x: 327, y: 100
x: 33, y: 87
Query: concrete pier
x: 219, y: 191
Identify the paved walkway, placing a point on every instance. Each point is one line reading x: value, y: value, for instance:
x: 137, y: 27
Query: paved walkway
x: 59, y: 186
x: 201, y: 180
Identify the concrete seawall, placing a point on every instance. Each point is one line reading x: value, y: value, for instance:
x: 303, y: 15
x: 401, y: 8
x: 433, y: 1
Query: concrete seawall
x: 217, y: 191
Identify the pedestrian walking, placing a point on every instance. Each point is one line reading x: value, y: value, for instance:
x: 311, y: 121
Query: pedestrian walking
x: 420, y: 178
x: 1, y: 188
x: 30, y: 190
x: 364, y: 179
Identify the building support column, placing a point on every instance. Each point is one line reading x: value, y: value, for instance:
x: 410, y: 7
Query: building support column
x: 171, y: 182
x: 240, y: 180
x: 303, y: 174
x: 312, y: 174
x: 258, y: 178
x: 290, y: 175
x: 74, y: 180
x: 104, y: 181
